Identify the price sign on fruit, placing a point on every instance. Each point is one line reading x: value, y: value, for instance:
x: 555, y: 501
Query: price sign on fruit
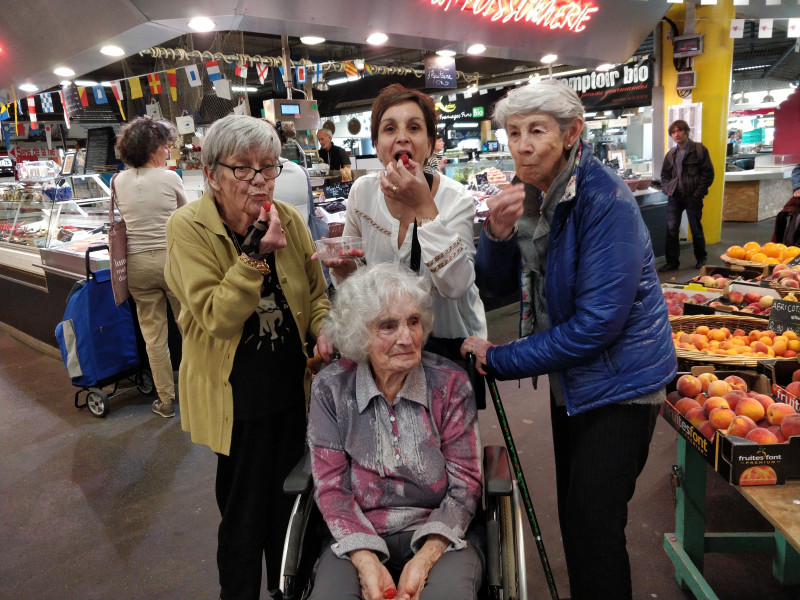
x: 785, y: 315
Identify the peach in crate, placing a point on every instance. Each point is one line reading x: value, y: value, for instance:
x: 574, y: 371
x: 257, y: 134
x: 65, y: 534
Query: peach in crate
x: 340, y: 247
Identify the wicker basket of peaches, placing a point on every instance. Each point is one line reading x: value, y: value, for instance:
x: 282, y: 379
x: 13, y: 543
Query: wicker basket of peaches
x: 731, y: 339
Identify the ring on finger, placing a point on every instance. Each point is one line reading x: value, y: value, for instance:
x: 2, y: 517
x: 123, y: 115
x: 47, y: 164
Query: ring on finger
x: 394, y: 188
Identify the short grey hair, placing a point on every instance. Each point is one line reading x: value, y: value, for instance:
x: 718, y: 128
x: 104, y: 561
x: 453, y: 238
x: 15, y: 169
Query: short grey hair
x: 368, y: 294
x: 327, y: 132
x: 237, y: 135
x: 551, y: 96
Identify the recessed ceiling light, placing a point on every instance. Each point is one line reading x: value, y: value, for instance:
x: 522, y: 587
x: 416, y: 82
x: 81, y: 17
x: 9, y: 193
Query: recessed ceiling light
x: 202, y: 24
x: 476, y: 49
x: 64, y: 72
x: 311, y: 40
x: 446, y: 52
x: 112, y: 50
x: 548, y: 58
x: 28, y: 87
x: 376, y: 39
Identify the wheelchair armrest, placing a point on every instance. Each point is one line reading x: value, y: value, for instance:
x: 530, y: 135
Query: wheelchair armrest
x: 299, y: 481
x: 496, y: 471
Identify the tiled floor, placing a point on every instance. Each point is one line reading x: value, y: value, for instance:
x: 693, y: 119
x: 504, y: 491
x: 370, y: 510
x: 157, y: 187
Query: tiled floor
x: 123, y: 507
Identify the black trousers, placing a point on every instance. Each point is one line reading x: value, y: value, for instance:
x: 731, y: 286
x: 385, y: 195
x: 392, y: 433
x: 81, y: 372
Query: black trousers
x: 676, y: 204
x: 255, y: 511
x: 599, y: 454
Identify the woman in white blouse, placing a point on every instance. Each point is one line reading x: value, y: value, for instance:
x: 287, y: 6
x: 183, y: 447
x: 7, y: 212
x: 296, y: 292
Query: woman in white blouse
x: 391, y: 208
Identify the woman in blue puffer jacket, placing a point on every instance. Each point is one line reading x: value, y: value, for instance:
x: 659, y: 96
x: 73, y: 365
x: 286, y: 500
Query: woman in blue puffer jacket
x: 569, y: 235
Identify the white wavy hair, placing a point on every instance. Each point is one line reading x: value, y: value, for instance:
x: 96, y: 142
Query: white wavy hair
x: 551, y: 96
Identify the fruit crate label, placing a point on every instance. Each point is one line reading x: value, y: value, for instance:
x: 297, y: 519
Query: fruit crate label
x: 785, y: 315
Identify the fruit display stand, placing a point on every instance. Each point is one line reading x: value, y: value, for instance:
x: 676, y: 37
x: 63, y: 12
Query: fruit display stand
x: 779, y: 504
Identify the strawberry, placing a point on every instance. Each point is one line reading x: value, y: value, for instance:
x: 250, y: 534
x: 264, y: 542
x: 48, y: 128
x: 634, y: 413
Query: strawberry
x: 267, y: 205
x: 389, y: 594
x: 405, y: 158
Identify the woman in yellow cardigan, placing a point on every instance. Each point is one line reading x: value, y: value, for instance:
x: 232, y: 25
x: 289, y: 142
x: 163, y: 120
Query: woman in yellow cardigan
x: 251, y: 299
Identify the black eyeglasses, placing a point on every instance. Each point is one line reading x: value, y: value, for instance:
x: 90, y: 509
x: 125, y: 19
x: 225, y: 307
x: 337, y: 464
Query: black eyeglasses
x: 249, y: 173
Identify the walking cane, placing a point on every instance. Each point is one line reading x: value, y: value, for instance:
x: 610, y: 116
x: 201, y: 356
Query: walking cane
x: 520, y: 476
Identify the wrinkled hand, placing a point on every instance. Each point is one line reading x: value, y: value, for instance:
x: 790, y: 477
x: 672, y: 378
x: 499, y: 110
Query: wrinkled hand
x: 478, y: 347
x: 274, y: 238
x: 324, y: 348
x: 505, y: 209
x: 374, y: 577
x: 405, y: 185
x: 415, y: 572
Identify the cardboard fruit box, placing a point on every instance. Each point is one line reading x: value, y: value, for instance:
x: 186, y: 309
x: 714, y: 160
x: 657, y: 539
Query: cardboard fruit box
x: 679, y: 297
x: 732, y: 272
x: 739, y: 461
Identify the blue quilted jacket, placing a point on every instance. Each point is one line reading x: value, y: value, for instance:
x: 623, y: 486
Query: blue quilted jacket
x: 609, y: 338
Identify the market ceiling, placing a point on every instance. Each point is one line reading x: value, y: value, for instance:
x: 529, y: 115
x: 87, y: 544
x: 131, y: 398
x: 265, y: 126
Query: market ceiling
x: 38, y: 35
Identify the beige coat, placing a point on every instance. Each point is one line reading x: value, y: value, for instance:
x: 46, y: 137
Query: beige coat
x: 218, y: 293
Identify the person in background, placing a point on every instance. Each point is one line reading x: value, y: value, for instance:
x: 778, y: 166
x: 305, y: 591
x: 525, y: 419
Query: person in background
x: 146, y: 195
x: 80, y: 156
x: 593, y: 318
x: 334, y: 156
x: 252, y: 298
x: 395, y: 449
x: 686, y: 175
x: 291, y: 149
x: 436, y: 160
x: 423, y: 221
x: 796, y: 181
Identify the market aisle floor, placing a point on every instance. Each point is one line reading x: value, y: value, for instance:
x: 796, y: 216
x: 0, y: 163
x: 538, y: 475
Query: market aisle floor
x: 123, y: 507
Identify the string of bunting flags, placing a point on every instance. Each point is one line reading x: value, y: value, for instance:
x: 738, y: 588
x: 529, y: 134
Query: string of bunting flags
x: 222, y: 86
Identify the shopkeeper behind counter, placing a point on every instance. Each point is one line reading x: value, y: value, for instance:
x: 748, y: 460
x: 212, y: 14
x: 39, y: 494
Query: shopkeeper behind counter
x: 333, y: 155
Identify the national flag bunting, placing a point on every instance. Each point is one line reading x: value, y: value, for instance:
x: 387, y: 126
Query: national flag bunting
x: 21, y: 129
x: 212, y: 67
x: 350, y: 69
x: 765, y: 28
x: 222, y: 88
x: 83, y: 96
x: 116, y: 87
x: 99, y: 95
x: 7, y: 131
x: 261, y: 71
x: 793, y: 28
x: 154, y: 81
x: 4, y: 112
x: 316, y: 73
x: 193, y: 75
x: 32, y: 112
x: 241, y: 69
x: 737, y: 28
x: 47, y: 102
x: 369, y: 69
x: 64, y: 106
x: 136, y: 87
x: 172, y: 81
x: 300, y: 74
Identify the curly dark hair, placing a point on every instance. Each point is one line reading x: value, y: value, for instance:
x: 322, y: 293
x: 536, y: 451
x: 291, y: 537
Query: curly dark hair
x: 141, y: 137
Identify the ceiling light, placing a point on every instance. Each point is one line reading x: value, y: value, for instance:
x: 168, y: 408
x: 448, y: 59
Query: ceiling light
x: 466, y: 125
x: 446, y: 52
x: 112, y: 50
x: 241, y: 88
x: 376, y: 39
x: 85, y: 82
x: 28, y: 87
x: 202, y: 24
x: 768, y: 98
x: 311, y: 40
x: 64, y: 72
x: 476, y: 49
x: 603, y: 67
x: 65, y: 83
x: 320, y: 86
x: 548, y: 58
x: 338, y: 81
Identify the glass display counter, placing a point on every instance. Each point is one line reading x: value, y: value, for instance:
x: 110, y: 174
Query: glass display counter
x: 54, y: 215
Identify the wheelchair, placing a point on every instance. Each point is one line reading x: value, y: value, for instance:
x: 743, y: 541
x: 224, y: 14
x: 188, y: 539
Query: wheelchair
x: 502, y: 513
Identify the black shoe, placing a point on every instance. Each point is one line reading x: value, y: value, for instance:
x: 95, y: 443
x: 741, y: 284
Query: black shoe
x: 700, y: 263
x: 669, y: 267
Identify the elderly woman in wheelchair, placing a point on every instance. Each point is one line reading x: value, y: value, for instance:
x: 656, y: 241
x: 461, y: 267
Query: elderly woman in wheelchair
x: 395, y: 450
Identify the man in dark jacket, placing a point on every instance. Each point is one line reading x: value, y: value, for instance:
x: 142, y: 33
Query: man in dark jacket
x: 686, y: 175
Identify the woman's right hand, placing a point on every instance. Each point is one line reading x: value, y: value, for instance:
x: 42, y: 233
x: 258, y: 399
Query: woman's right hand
x: 505, y: 209
x: 375, y: 578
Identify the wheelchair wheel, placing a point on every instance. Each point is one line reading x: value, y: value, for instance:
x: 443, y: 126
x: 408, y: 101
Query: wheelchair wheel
x: 512, y: 546
x: 144, y: 383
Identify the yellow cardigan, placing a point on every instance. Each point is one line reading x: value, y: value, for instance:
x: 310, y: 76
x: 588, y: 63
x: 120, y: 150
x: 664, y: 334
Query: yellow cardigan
x: 218, y: 293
